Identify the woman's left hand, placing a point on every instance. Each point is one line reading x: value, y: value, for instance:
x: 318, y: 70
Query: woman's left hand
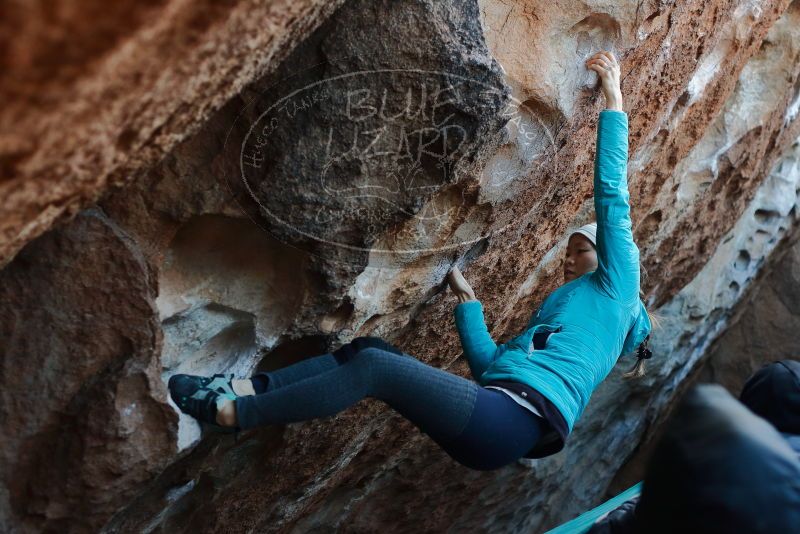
x: 460, y: 286
x: 607, y: 68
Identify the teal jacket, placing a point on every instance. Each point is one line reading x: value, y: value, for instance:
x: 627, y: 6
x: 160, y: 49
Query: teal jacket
x: 594, y: 318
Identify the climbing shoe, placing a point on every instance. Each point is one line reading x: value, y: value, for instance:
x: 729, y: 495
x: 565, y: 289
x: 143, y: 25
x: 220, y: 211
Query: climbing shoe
x: 201, y: 396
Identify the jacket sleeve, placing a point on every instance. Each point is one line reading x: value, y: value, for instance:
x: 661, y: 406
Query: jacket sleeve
x: 617, y: 255
x: 479, y: 348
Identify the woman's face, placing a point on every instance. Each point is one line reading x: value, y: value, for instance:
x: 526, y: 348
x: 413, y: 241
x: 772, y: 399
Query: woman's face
x: 581, y: 257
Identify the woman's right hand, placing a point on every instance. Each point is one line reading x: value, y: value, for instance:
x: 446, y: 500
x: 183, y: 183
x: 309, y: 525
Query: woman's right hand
x: 460, y: 286
x: 607, y: 68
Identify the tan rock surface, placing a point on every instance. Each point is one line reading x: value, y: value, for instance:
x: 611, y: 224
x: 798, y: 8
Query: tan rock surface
x: 95, y: 93
x: 712, y: 93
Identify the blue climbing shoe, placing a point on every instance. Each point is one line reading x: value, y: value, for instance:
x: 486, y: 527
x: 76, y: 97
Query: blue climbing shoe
x: 202, y: 396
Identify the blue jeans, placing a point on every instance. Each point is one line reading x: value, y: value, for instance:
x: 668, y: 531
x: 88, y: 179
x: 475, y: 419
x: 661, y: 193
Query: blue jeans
x: 480, y: 428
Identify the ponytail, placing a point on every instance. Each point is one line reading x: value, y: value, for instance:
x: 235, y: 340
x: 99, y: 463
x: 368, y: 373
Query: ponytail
x: 642, y: 352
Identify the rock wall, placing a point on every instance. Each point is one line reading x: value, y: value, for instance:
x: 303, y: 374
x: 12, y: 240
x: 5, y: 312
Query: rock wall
x: 708, y: 313
x: 764, y: 328
x: 760, y: 328
x: 255, y: 196
x: 95, y: 93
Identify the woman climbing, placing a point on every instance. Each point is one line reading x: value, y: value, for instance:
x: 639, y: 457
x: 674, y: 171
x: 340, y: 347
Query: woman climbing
x: 525, y: 403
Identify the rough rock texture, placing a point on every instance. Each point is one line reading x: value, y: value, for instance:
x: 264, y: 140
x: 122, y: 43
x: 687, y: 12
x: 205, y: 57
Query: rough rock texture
x: 94, y: 93
x: 408, y: 135
x: 762, y: 328
x: 84, y: 423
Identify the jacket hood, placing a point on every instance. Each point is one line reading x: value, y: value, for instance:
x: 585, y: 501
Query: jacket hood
x: 773, y: 393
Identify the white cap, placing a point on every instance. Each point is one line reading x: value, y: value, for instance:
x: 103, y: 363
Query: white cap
x: 589, y: 231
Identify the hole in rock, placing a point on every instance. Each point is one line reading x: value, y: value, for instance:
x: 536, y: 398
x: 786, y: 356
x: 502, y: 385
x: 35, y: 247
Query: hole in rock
x: 652, y: 16
x: 208, y: 339
x: 474, y: 252
x: 126, y: 139
x: 683, y: 99
x: 598, y: 23
x: 337, y: 319
x: 547, y: 116
x: 649, y: 225
x: 759, y: 238
x: 766, y: 216
x: 742, y: 261
x: 292, y: 351
x: 227, y: 288
x: 598, y: 31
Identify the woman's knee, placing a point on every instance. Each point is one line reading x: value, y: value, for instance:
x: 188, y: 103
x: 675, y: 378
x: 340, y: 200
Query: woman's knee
x: 348, y: 351
x: 376, y: 357
x: 382, y: 369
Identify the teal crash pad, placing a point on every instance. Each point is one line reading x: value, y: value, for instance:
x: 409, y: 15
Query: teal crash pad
x: 584, y: 522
